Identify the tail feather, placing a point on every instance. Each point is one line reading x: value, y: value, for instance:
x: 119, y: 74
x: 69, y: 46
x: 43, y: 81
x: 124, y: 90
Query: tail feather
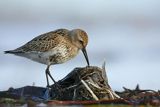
x: 12, y: 52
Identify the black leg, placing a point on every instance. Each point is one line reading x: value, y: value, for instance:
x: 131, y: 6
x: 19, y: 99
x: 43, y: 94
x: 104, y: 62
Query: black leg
x: 47, y: 76
x: 47, y: 89
x: 51, y: 77
x: 48, y: 73
x: 57, y: 86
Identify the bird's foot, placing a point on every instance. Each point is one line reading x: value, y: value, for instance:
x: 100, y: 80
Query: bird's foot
x: 58, y: 90
x: 56, y: 86
x: 48, y: 86
x: 47, y: 94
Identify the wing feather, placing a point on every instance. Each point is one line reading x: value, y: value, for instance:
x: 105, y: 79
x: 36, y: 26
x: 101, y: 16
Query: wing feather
x: 44, y: 42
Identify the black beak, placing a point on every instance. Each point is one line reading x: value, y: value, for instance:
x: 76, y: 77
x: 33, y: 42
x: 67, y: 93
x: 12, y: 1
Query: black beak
x: 85, y: 55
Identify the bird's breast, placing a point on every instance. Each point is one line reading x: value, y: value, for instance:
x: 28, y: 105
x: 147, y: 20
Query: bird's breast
x: 61, y: 54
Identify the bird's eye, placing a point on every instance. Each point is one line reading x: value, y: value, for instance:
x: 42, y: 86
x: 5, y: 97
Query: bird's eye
x: 81, y: 41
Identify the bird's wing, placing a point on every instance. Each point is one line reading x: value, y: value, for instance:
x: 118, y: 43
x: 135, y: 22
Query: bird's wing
x: 44, y: 42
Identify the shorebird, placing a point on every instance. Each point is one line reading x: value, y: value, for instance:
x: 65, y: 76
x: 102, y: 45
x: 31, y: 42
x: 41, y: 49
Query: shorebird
x: 54, y: 47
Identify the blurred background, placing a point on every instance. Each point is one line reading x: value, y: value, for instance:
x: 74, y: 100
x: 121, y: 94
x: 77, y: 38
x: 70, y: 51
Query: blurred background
x: 124, y: 33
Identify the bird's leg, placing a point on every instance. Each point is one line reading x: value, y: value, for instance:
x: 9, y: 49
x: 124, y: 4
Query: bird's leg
x: 48, y: 86
x: 47, y: 76
x: 48, y: 73
x: 51, y: 77
x: 59, y: 89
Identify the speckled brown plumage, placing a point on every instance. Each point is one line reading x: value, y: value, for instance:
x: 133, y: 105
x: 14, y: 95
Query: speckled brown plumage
x: 54, y: 47
x: 45, y: 41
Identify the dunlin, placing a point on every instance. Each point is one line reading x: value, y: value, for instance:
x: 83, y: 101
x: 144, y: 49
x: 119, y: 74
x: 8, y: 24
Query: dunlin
x: 54, y: 47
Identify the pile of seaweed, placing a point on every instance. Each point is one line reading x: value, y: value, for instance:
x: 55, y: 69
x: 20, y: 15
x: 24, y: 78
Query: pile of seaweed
x: 87, y: 85
x: 139, y: 96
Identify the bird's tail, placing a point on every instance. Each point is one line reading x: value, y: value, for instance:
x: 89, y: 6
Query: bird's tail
x: 12, y: 52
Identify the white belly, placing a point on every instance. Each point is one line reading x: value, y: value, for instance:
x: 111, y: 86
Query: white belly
x: 43, y: 57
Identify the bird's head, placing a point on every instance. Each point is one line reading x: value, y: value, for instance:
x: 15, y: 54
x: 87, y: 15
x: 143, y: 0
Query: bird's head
x: 80, y: 39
